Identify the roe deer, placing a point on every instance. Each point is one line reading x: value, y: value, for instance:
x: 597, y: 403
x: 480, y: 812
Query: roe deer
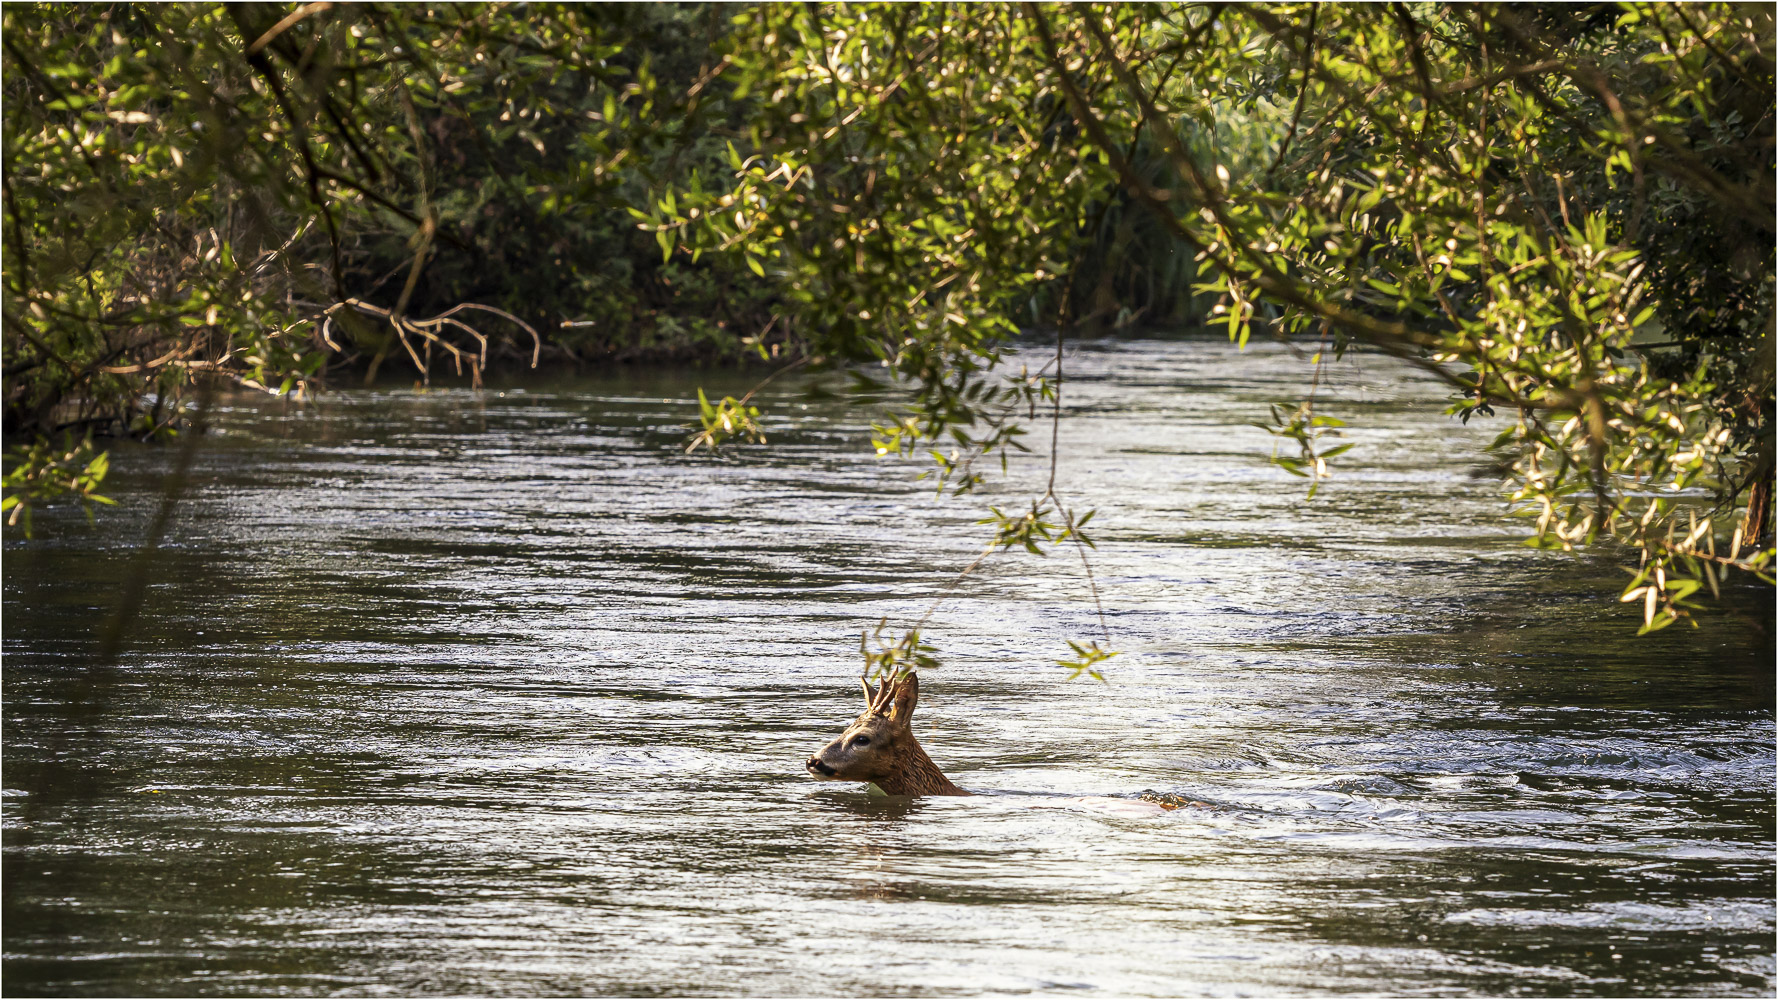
x: 879, y: 746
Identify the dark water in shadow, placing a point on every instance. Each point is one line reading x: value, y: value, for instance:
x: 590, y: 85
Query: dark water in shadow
x: 500, y: 693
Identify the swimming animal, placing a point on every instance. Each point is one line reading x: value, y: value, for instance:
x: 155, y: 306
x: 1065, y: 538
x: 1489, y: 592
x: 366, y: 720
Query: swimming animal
x: 879, y: 746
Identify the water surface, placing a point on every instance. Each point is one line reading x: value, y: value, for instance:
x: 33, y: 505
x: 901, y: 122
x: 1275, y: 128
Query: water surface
x: 501, y: 693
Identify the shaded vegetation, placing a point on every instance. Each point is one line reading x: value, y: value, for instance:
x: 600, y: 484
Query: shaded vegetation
x: 259, y: 196
x: 1565, y: 213
x: 1516, y: 201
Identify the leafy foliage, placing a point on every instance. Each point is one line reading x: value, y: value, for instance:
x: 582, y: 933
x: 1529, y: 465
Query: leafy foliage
x: 1499, y: 195
x: 890, y: 660
x: 1086, y: 660
x: 258, y: 195
x: 41, y: 473
x: 1565, y: 213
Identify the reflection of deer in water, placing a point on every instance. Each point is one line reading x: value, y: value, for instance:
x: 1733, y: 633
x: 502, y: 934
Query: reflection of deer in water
x: 879, y: 746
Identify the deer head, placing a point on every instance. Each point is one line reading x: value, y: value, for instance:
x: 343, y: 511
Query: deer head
x: 879, y: 745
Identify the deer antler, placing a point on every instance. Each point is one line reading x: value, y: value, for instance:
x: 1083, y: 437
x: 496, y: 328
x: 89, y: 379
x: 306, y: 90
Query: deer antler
x: 877, y: 701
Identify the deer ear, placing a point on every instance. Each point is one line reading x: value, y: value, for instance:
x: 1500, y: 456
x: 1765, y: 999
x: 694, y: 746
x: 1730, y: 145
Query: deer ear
x: 907, y: 695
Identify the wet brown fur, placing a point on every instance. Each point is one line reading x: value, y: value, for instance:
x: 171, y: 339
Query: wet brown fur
x: 889, y: 756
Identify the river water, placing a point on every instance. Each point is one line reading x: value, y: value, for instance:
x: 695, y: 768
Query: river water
x: 501, y: 693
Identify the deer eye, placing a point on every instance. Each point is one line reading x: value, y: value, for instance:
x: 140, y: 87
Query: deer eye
x: 861, y: 740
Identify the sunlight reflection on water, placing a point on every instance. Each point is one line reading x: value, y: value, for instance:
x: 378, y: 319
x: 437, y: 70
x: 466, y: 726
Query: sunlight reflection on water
x: 501, y: 693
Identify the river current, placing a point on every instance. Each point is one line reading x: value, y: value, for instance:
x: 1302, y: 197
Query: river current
x: 502, y: 693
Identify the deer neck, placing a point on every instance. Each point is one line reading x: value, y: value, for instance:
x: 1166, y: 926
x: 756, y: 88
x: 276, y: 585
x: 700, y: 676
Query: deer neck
x: 916, y: 774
